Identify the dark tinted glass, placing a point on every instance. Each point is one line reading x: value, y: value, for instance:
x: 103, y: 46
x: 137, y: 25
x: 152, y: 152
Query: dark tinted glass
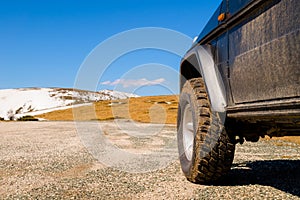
x: 213, y: 22
x: 236, y: 5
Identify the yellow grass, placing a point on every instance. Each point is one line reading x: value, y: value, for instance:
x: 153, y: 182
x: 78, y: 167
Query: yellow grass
x: 294, y: 139
x: 156, y: 109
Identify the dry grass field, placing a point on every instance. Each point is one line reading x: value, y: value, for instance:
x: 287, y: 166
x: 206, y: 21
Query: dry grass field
x: 155, y: 109
x: 294, y: 139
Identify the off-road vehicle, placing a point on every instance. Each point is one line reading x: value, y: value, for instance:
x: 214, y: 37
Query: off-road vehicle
x: 239, y: 81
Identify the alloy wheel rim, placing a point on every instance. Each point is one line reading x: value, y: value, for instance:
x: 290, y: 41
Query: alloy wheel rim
x: 188, y: 132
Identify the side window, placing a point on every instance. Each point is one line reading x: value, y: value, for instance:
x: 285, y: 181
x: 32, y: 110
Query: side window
x: 213, y: 22
x: 236, y: 5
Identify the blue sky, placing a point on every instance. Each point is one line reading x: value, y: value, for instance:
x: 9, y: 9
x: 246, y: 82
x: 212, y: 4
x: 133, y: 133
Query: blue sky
x: 44, y: 43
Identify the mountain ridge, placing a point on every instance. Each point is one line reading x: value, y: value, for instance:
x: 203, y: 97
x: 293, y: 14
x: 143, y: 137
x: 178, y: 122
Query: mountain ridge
x: 15, y: 103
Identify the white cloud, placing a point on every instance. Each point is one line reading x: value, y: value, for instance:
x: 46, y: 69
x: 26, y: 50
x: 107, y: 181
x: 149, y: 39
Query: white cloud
x: 136, y: 83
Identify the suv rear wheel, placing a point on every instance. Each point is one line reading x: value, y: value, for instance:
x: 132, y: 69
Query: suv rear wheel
x: 206, y: 151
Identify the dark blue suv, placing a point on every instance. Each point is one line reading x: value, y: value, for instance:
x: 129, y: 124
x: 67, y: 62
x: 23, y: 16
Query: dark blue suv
x: 239, y: 81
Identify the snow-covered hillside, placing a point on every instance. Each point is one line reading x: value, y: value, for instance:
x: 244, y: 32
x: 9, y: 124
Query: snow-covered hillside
x: 17, y: 102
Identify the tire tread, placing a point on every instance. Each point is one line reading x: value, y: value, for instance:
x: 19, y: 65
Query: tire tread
x: 213, y: 158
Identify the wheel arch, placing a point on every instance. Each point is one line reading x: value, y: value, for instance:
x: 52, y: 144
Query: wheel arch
x: 199, y: 62
x: 189, y: 68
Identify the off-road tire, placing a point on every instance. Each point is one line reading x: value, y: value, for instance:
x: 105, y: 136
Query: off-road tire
x: 213, y: 149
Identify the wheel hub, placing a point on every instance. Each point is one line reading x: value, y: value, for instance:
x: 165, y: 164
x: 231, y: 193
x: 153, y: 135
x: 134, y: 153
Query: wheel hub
x: 188, y: 132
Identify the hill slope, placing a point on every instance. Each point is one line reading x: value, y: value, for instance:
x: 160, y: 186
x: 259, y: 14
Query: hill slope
x: 17, y: 102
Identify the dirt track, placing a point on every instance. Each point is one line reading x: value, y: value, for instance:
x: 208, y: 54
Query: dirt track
x: 47, y: 160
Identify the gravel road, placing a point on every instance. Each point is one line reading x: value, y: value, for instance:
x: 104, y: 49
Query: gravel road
x: 47, y: 160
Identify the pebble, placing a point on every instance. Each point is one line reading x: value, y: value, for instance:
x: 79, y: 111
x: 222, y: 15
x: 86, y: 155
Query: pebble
x: 47, y: 161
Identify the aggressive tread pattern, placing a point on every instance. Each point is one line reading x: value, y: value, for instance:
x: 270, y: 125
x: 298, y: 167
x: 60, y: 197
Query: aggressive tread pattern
x: 213, y: 148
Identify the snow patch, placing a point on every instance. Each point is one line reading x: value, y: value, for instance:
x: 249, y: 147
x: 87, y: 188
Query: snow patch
x: 15, y: 103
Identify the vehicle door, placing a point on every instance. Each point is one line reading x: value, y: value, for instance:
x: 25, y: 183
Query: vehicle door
x: 264, y: 47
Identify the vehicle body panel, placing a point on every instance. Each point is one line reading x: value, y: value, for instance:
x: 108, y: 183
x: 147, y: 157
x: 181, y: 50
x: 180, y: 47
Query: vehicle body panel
x: 256, y: 58
x: 264, y: 57
x: 256, y: 49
